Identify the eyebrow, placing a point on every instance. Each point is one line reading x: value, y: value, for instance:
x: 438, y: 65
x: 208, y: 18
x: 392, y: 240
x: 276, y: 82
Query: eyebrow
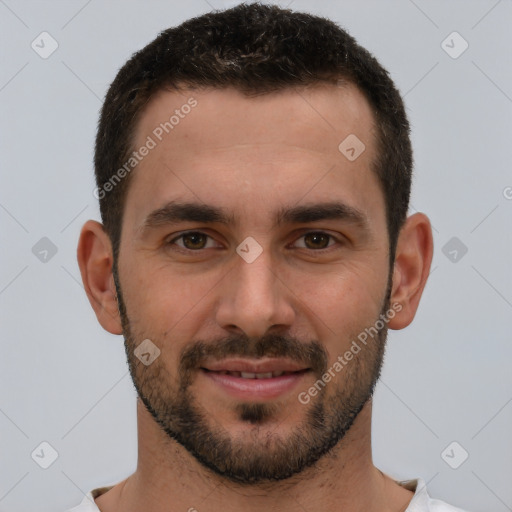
x: 176, y: 211
x: 334, y: 210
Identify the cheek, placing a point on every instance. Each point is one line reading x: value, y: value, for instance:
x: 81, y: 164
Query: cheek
x: 166, y: 304
x: 341, y: 304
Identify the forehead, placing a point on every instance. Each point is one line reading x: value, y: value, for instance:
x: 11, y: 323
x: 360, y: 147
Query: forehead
x: 222, y: 147
x: 227, y: 116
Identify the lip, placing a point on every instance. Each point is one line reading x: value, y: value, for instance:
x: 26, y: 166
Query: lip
x: 254, y: 389
x: 254, y: 366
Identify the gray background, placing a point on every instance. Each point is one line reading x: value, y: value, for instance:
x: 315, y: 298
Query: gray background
x: 446, y: 377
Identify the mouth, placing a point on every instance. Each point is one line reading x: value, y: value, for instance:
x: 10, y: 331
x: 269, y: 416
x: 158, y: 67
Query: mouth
x: 254, y: 380
x: 253, y: 375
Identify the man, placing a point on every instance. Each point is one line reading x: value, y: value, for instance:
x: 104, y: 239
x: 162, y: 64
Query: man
x: 254, y: 171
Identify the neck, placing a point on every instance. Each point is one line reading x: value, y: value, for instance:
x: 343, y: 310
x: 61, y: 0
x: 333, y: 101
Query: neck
x: 169, y: 479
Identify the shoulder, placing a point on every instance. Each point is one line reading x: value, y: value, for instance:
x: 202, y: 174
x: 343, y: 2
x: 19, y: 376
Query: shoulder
x: 421, y: 501
x: 441, y: 506
x: 86, y: 505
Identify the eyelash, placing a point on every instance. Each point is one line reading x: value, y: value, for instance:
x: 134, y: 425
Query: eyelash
x: 184, y: 249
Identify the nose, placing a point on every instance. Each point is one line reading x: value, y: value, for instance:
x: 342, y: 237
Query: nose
x: 255, y: 298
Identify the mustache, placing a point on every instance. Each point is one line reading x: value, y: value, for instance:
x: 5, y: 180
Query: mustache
x: 311, y: 354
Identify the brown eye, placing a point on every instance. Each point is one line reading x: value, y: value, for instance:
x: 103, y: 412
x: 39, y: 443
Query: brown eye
x: 192, y: 240
x: 316, y: 240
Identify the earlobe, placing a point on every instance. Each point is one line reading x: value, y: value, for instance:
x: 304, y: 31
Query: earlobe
x: 94, y: 254
x: 411, y: 269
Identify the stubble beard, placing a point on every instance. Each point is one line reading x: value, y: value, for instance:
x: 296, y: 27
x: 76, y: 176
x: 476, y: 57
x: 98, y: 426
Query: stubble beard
x: 261, y: 454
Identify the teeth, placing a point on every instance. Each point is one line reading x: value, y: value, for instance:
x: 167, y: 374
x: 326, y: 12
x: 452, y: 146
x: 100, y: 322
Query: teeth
x: 251, y: 375
x: 264, y: 375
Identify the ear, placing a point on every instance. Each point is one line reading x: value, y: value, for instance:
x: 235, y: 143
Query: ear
x: 413, y: 257
x: 95, y: 259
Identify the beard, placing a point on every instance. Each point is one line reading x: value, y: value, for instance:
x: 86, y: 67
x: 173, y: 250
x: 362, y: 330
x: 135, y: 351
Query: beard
x: 260, y: 454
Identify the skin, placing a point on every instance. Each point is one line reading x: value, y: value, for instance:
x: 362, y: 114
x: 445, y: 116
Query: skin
x: 273, y: 151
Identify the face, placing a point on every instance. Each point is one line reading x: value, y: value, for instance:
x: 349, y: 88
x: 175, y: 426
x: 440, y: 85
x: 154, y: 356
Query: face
x: 253, y: 256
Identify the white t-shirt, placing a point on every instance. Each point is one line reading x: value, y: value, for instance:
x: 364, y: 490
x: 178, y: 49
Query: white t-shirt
x: 421, y: 501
